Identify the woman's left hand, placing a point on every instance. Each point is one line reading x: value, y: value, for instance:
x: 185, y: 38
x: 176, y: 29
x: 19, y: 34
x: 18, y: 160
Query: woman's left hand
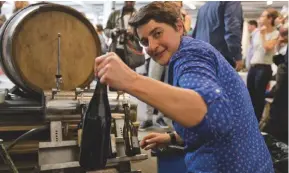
x: 154, y: 140
x: 111, y: 70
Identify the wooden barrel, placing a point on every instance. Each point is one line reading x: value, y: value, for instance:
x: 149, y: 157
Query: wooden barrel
x: 29, y: 48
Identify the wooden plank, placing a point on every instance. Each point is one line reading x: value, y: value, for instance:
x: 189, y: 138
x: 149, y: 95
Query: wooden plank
x: 19, y: 128
x: 23, y: 147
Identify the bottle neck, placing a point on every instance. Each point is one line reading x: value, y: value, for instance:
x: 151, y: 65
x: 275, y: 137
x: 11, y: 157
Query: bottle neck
x: 100, y: 88
x: 126, y: 114
x: 100, y: 92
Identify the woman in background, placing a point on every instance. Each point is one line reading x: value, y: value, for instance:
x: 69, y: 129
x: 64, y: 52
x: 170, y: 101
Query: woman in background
x: 260, y: 73
x: 184, y: 16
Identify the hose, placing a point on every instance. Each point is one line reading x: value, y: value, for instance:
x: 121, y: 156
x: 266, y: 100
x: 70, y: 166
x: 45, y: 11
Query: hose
x: 27, y: 135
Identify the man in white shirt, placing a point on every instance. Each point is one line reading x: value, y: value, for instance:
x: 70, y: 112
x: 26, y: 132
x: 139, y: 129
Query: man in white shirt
x: 252, y: 28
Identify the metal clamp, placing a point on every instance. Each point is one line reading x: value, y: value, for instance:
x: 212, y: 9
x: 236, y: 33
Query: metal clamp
x: 78, y: 92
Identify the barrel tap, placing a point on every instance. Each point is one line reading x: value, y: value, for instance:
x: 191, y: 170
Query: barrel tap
x: 58, y: 76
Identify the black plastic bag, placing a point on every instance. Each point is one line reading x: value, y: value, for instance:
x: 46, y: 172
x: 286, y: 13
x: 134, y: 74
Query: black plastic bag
x: 95, y: 140
x: 279, y: 153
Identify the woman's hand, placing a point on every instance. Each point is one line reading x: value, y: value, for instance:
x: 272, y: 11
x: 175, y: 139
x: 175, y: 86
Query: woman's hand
x: 111, y: 70
x: 239, y: 65
x: 154, y: 140
x: 263, y: 30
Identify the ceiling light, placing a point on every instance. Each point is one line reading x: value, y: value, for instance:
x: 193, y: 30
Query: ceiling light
x: 269, y: 2
x: 190, y: 4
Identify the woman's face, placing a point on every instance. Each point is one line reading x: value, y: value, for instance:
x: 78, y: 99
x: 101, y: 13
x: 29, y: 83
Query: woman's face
x: 264, y: 20
x: 160, y: 40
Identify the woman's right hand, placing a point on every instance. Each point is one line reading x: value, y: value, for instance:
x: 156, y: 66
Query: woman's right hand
x: 111, y: 70
x: 154, y: 140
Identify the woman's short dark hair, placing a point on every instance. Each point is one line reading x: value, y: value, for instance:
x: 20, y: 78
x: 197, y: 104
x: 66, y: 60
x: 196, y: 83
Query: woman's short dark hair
x: 253, y: 22
x: 272, y: 13
x: 158, y: 11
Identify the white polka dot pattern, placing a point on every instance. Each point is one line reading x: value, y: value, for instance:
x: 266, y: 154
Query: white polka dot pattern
x: 228, y: 139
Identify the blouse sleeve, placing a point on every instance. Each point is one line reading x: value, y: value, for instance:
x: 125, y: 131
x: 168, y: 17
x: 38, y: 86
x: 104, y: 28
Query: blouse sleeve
x: 199, y: 73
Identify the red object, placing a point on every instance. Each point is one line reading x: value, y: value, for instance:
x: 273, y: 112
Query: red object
x: 268, y: 87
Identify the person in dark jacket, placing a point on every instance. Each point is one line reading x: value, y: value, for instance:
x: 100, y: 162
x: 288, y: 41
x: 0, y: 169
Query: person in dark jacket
x: 124, y: 44
x: 221, y: 24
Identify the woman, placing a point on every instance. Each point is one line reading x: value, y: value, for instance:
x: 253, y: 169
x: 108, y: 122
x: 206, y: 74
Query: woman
x: 206, y: 99
x: 20, y: 5
x: 156, y: 71
x: 184, y: 16
x: 260, y: 73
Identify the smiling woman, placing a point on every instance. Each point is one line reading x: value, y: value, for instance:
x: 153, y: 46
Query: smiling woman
x: 153, y: 36
x: 206, y: 99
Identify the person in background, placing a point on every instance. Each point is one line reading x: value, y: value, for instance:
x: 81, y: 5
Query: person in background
x: 283, y: 17
x: 278, y: 121
x: 1, y: 4
x: 252, y: 28
x: 186, y: 18
x: 2, y: 17
x: 19, y: 5
x: 102, y: 38
x: 2, y: 20
x: 8, y: 8
x: 281, y: 24
x: 220, y: 23
x: 117, y: 29
x: 260, y: 72
x: 155, y: 71
x: 206, y: 98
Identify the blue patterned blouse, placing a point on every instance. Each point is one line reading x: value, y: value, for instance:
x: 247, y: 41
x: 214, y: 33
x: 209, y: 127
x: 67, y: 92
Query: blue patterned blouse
x: 228, y: 139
